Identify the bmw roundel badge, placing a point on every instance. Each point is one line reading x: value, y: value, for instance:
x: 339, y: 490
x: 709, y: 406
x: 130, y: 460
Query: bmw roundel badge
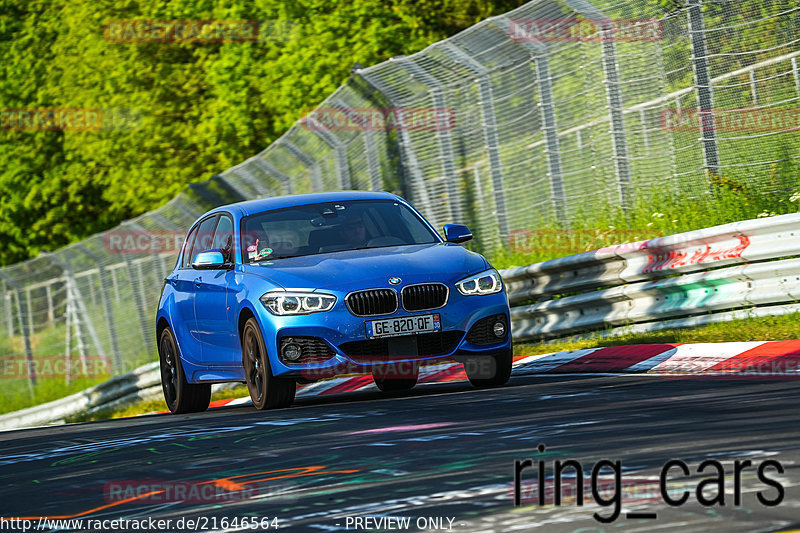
x: 395, y: 281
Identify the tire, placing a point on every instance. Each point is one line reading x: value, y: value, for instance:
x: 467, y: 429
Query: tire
x: 489, y: 371
x: 266, y: 391
x: 395, y: 384
x: 180, y: 395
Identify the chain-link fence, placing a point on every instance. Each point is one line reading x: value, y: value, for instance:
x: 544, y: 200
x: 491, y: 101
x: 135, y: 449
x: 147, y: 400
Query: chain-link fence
x: 559, y: 114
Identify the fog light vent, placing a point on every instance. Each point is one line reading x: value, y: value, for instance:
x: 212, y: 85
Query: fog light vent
x: 291, y: 351
x: 499, y: 330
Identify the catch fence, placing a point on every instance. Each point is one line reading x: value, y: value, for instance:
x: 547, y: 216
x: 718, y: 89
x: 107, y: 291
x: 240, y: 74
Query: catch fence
x: 563, y: 115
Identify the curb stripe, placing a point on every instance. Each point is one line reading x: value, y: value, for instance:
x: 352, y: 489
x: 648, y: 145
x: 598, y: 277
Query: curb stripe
x: 555, y: 360
x: 699, y: 358
x: 613, y: 358
x: 350, y: 385
x: 455, y: 372
x: 779, y: 357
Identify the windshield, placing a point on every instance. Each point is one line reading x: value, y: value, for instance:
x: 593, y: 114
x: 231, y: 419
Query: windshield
x: 331, y: 227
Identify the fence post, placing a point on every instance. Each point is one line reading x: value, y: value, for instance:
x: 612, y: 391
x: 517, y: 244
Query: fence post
x: 373, y: 165
x: 50, y: 312
x: 191, y: 215
x: 23, y: 327
x: 705, y: 93
x: 137, y: 295
x: 242, y: 171
x: 550, y: 129
x: 754, y: 87
x: 73, y: 321
x: 613, y: 97
x: 79, y: 307
x: 114, y: 285
x: 796, y: 75
x: 615, y: 106
x: 489, y: 131
x: 236, y: 181
x: 137, y: 301
x: 340, y: 153
x: 30, y: 311
x: 270, y: 169
x: 539, y: 53
x: 412, y: 175
x: 442, y: 133
x: 68, y: 335
x: 7, y: 308
x: 305, y: 159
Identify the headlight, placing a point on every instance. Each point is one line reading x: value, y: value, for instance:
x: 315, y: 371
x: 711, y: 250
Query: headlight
x: 297, y: 303
x: 487, y: 282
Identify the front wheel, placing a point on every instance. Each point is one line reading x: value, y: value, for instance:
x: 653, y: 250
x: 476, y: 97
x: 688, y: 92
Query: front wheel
x: 180, y: 395
x: 266, y: 391
x: 488, y: 370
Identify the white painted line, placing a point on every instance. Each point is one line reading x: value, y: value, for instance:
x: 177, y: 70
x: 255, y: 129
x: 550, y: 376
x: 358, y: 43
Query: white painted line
x: 551, y: 361
x: 696, y: 358
x: 648, y: 364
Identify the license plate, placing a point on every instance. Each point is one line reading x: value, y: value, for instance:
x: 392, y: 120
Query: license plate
x: 404, y: 325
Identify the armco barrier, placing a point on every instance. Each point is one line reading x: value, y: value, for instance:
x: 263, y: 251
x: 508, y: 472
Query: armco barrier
x: 748, y: 265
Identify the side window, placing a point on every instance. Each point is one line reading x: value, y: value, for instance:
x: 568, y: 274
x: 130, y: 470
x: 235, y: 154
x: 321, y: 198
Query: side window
x: 223, y: 238
x: 204, y: 239
x: 187, y: 247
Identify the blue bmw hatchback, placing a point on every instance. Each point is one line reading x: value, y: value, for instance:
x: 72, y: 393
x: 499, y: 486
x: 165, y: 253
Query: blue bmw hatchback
x: 293, y: 289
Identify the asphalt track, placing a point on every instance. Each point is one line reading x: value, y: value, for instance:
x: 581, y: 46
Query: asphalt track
x: 441, y: 452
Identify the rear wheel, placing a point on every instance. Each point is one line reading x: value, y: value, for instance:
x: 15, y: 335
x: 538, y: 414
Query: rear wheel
x: 180, y: 395
x: 392, y: 382
x: 488, y: 370
x: 266, y: 391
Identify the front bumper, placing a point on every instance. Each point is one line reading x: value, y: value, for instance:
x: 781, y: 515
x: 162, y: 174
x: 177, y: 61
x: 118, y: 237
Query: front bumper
x: 340, y: 330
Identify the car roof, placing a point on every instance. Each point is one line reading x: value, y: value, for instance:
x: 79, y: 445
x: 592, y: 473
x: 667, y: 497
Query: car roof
x: 250, y: 207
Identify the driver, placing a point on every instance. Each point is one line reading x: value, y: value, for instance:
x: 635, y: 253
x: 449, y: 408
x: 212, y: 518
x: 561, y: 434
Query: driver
x: 353, y: 231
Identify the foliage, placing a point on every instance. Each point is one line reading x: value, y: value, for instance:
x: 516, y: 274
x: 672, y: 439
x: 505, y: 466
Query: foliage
x: 179, y: 112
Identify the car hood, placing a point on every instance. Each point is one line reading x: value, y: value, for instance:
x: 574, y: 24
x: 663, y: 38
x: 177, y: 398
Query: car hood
x: 346, y: 270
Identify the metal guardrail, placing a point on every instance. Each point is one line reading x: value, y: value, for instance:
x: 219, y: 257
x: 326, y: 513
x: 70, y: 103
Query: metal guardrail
x: 664, y: 282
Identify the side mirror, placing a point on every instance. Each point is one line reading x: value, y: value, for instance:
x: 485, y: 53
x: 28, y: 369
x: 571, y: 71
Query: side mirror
x: 456, y: 233
x: 209, y: 260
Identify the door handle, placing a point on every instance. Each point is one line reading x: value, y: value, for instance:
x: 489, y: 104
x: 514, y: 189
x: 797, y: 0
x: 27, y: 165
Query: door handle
x: 198, y: 281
